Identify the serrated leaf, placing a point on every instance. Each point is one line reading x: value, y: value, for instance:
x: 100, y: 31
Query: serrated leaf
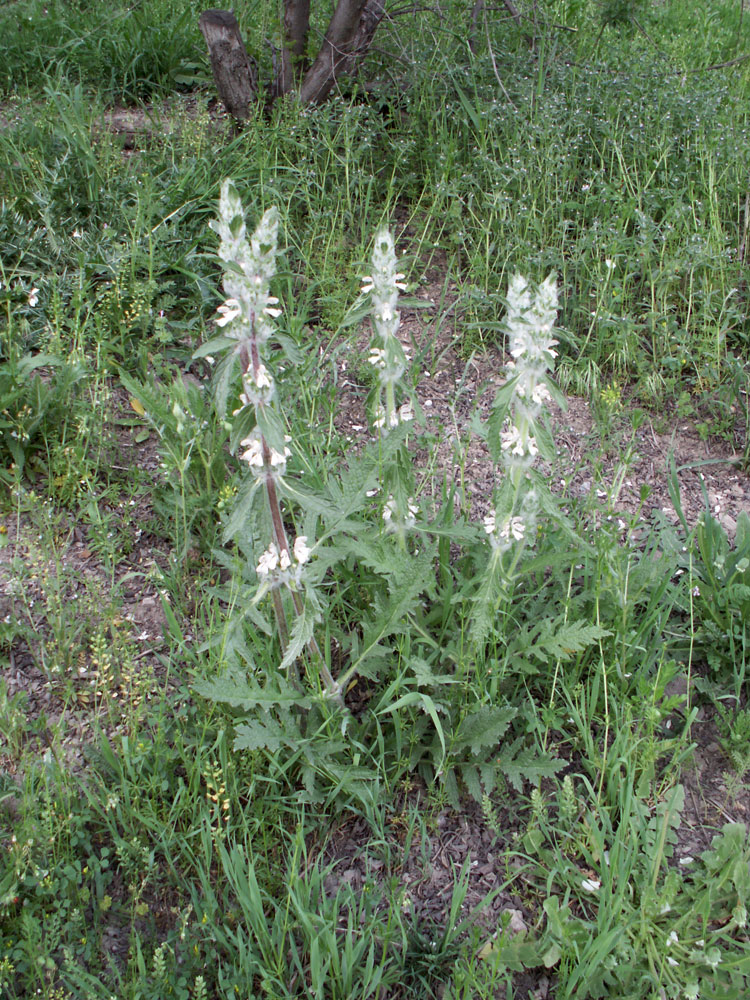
x: 221, y: 383
x: 561, y: 642
x: 245, y: 694
x: 260, y: 735
x: 484, y: 727
x: 528, y: 764
x: 302, y: 632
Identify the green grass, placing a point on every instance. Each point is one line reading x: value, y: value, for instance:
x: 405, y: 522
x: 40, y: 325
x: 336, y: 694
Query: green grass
x: 144, y: 854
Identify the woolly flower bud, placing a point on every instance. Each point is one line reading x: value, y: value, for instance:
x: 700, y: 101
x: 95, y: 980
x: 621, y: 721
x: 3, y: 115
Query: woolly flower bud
x: 530, y: 320
x: 253, y: 263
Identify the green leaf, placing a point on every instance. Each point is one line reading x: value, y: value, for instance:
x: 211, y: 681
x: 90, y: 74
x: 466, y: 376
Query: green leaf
x: 261, y: 735
x: 562, y: 641
x: 302, y: 633
x: 483, y: 727
x: 243, y: 693
x: 528, y: 764
x: 213, y: 346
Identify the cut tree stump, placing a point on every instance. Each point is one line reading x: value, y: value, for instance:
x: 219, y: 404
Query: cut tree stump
x: 235, y: 72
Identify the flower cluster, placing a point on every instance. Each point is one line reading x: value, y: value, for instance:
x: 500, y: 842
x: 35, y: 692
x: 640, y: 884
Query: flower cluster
x: 504, y: 532
x: 387, y: 354
x: 262, y: 459
x: 249, y: 307
x: 278, y: 566
x: 395, y: 519
x: 530, y: 321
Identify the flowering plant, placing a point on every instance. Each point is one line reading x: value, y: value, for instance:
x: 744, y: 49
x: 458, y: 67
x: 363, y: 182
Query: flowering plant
x: 402, y: 567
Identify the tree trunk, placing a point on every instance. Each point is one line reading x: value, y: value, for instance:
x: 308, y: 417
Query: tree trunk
x: 296, y: 28
x: 235, y: 73
x: 346, y: 42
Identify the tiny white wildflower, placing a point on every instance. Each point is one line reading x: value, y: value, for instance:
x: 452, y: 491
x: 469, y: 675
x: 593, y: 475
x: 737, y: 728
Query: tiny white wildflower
x: 284, y: 559
x: 377, y: 357
x: 268, y: 561
x: 610, y: 264
x: 672, y: 939
x: 406, y: 413
x: 262, y: 377
x: 229, y: 310
x: 513, y: 528
x: 301, y: 550
x: 672, y: 961
x: 489, y: 524
x: 253, y: 453
x: 540, y: 394
x: 33, y: 296
x: 278, y: 459
x: 591, y: 885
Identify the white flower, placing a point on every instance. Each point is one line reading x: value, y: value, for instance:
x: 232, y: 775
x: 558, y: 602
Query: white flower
x: 301, y: 550
x: 253, y: 453
x: 262, y: 377
x: 390, y: 509
x: 672, y: 961
x: 489, y: 523
x: 591, y: 885
x: 516, y: 443
x: 229, y: 310
x: 284, y: 559
x: 513, y: 528
x: 367, y: 285
x: 540, y: 394
x: 406, y: 413
x: 672, y: 939
x: 377, y: 357
x: 33, y: 296
x: 510, y: 440
x: 610, y: 264
x: 268, y: 561
x: 278, y: 459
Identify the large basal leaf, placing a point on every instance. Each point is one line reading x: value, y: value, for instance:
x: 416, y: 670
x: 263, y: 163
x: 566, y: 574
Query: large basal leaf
x: 484, y: 727
x: 243, y: 693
